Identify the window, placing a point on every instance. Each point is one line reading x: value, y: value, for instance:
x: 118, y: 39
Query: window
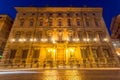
x: 96, y: 22
x: 41, y: 14
x: 50, y: 15
x: 39, y: 36
x: 106, y: 52
x: 77, y: 15
x: 50, y: 22
x: 2, y: 45
x: 60, y: 37
x: 80, y: 36
x: 70, y: 37
x: 28, y: 36
x: 83, y: 53
x: 33, y: 14
x: 41, y: 22
x: 101, y: 37
x: 12, y: 54
x: 94, y: 52
x: 78, y: 22
x: 24, y: 53
x: 90, y: 36
x: 69, y: 15
x: 60, y: 15
x: 31, y: 22
x: 87, y: 23
x: 17, y: 35
x: 59, y: 22
x: 24, y: 14
x: 22, y: 22
x: 69, y: 22
x: 36, y: 54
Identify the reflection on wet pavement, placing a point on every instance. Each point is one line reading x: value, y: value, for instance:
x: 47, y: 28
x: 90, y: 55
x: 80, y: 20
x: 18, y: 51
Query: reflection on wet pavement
x: 62, y: 75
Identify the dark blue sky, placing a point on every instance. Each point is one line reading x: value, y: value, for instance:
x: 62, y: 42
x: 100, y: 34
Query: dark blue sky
x: 111, y: 7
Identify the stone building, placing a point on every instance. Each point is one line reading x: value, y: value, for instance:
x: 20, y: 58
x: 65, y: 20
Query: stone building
x: 5, y: 26
x: 59, y: 37
x: 115, y: 29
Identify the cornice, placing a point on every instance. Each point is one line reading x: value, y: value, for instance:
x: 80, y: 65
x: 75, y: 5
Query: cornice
x: 58, y: 9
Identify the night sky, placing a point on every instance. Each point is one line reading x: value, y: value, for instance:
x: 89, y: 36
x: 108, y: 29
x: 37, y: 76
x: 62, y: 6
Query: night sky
x: 111, y: 7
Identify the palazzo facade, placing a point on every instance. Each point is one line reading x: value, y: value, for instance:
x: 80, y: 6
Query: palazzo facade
x: 59, y: 37
x: 5, y: 27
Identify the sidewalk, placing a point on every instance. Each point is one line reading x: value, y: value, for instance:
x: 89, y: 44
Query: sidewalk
x: 36, y: 69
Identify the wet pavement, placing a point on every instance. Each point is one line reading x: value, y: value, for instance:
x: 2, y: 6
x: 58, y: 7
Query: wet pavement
x: 61, y: 74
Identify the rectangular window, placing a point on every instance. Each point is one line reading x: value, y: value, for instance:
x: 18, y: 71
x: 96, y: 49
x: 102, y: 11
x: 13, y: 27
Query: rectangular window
x: 101, y: 37
x: 70, y: 37
x: 78, y: 22
x: 94, y: 52
x: 90, y: 36
x: 50, y: 22
x: 36, y: 54
x: 87, y: 24
x: 31, y: 22
x: 22, y: 22
x: 39, y: 36
x: 28, y: 36
x: 12, y: 54
x: 24, y: 54
x: 69, y: 22
x: 80, y: 36
x: 41, y: 22
x: 17, y: 35
x: 83, y: 53
x: 59, y: 23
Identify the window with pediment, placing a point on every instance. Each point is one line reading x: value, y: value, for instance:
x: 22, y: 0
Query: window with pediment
x: 78, y: 23
x: 41, y: 22
x: 69, y: 22
x: 31, y: 22
x: 50, y: 23
x: 59, y: 22
x: 22, y: 22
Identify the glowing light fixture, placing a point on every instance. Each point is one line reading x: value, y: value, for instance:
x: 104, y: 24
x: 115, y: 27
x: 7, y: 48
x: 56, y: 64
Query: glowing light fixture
x: 44, y: 39
x: 13, y: 40
x: 35, y: 39
x: 31, y: 39
x: 88, y: 39
x: 95, y: 39
x: 84, y: 39
x: 76, y: 39
x: 24, y: 39
x: 20, y: 40
x: 105, y: 39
